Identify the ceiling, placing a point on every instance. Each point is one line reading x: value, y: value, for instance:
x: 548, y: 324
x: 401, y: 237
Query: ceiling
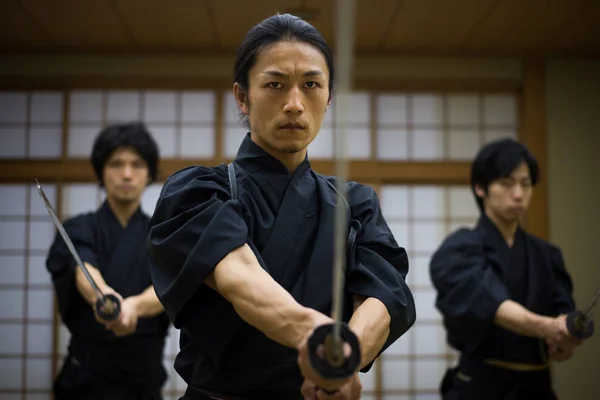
x: 413, y: 27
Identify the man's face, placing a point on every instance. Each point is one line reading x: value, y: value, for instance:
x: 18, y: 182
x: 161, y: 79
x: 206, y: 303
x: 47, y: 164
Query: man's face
x: 125, y: 176
x: 508, y: 198
x: 287, y: 97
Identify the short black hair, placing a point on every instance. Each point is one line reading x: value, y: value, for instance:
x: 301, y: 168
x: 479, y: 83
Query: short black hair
x: 499, y: 159
x: 279, y: 27
x: 134, y: 135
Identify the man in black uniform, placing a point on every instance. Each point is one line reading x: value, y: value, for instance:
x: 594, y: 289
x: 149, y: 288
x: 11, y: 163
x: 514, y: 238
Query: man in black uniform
x: 243, y: 262
x: 503, y: 292
x: 120, y: 359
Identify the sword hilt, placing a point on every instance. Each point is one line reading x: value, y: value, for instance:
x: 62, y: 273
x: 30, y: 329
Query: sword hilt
x: 579, y: 325
x: 108, y: 307
x: 334, y: 364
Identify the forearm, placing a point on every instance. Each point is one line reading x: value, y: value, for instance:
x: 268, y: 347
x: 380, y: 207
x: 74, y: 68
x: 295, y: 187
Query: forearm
x: 516, y: 318
x: 147, y: 303
x: 371, y: 323
x: 85, y: 288
x: 261, y: 301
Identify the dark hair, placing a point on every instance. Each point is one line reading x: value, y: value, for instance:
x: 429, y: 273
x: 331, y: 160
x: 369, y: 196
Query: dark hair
x: 134, y: 135
x: 279, y: 27
x: 498, y: 159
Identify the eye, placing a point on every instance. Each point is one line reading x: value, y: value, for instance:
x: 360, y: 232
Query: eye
x: 312, y: 85
x: 274, y: 85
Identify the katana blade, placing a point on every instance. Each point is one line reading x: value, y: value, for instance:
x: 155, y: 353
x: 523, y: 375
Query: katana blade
x: 67, y: 240
x: 345, y: 15
x: 588, y: 311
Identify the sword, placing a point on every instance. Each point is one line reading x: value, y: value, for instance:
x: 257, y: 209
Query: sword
x: 580, y: 323
x: 107, y: 306
x: 335, y: 365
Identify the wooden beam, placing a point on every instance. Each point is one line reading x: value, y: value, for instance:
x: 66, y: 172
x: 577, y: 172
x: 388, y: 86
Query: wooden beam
x: 534, y: 136
x: 80, y: 170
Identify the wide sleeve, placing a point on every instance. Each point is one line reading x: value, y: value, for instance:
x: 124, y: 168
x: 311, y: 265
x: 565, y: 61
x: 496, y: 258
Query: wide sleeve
x: 380, y: 266
x: 562, y: 292
x: 61, y: 264
x: 469, y: 291
x: 194, y: 226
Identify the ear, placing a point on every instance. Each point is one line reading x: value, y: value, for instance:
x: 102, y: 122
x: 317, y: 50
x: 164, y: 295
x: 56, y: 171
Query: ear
x: 241, y: 98
x: 480, y: 191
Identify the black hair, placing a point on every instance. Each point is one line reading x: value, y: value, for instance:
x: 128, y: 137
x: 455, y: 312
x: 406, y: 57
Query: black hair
x: 279, y: 27
x: 134, y: 135
x: 499, y: 159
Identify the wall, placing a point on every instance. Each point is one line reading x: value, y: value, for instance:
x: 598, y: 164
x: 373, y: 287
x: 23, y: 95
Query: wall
x: 573, y: 98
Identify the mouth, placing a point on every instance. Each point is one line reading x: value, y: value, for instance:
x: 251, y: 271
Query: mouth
x: 291, y: 126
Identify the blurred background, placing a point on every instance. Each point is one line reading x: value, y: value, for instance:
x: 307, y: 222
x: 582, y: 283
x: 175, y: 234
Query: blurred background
x: 434, y: 80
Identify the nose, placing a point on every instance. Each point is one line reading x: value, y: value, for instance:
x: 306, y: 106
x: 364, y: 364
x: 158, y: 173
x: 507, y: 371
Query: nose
x: 518, y: 192
x: 127, y: 172
x: 294, y: 104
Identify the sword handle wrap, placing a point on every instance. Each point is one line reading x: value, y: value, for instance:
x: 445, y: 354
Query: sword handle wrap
x: 322, y: 366
x: 579, y: 326
x: 108, y: 307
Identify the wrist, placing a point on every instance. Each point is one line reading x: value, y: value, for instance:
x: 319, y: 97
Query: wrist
x: 306, y: 321
x: 543, y: 326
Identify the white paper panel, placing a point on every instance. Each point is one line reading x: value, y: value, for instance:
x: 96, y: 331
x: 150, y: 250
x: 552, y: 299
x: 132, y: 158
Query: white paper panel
x: 47, y: 107
x: 159, y: 107
x: 11, y: 303
x: 39, y: 374
x: 427, y: 110
x: 40, y: 304
x: 231, y: 110
x: 12, y: 199
x: 13, y: 143
x: 500, y: 109
x: 13, y: 107
x: 359, y: 109
x: 391, y: 109
x: 12, y: 270
x: 400, y: 232
x: 12, y: 334
x: 427, y: 145
x: 38, y: 274
x: 462, y: 203
x: 427, y: 236
x: 428, y: 202
x: 39, y: 339
x: 394, y: 201
x: 45, y: 142
x: 322, y: 145
x: 79, y: 198
x: 418, y: 273
x: 463, y: 109
x: 197, y: 142
x: 425, y: 305
x: 463, y: 144
x: 232, y: 140
x: 81, y: 140
x: 12, y: 235
x: 123, y: 106
x: 165, y: 139
x: 400, y: 347
x: 430, y: 339
x: 395, y: 374
x: 41, y: 234
x: 150, y: 197
x: 496, y: 134
x: 11, y: 373
x: 199, y: 106
x: 392, y: 144
x: 86, y: 106
x: 63, y: 341
x: 429, y: 373
x: 358, y: 143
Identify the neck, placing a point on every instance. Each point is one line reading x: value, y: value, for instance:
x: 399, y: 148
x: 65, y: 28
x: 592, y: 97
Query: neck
x: 123, y: 210
x: 507, y: 229
x: 290, y: 160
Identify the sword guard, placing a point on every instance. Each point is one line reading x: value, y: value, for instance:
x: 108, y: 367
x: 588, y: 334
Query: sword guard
x: 579, y: 326
x: 108, y: 307
x: 329, y: 368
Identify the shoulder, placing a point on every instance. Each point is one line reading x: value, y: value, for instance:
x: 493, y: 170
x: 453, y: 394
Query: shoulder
x: 357, y: 193
x: 544, y: 245
x: 461, y: 240
x: 195, y: 176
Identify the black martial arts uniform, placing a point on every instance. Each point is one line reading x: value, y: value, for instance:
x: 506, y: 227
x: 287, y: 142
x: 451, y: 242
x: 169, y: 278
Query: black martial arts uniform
x: 474, y: 271
x: 99, y: 364
x: 287, y: 220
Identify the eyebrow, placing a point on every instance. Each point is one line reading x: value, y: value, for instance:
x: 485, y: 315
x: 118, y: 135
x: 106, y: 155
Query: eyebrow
x: 280, y: 74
